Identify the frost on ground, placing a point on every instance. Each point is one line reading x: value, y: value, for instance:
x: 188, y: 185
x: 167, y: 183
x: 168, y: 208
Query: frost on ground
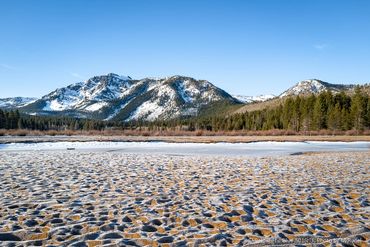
x: 97, y: 198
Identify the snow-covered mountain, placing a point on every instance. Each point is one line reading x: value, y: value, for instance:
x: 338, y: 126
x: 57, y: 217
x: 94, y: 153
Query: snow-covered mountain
x: 314, y: 86
x: 122, y: 98
x: 254, y: 99
x: 311, y: 86
x: 114, y: 97
x: 16, y: 102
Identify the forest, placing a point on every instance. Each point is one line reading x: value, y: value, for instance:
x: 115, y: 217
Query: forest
x: 326, y: 111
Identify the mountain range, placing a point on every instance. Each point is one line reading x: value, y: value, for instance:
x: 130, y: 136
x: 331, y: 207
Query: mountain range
x: 16, y: 102
x: 254, y: 99
x: 115, y: 97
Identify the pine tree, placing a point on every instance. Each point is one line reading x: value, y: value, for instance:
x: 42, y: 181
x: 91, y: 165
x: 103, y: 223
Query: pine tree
x: 357, y: 110
x: 334, y: 117
x: 296, y: 114
x: 287, y: 113
x: 367, y: 118
x: 20, y: 124
x: 2, y: 120
x: 319, y: 112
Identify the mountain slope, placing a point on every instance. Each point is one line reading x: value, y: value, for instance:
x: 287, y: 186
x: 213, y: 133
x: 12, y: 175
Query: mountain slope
x: 122, y: 98
x: 16, y: 102
x: 114, y: 97
x: 314, y: 86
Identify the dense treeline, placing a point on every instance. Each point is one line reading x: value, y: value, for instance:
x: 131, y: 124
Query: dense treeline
x: 15, y: 120
x: 326, y: 111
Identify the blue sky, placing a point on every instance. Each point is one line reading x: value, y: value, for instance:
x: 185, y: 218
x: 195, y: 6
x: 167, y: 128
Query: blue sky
x: 245, y: 47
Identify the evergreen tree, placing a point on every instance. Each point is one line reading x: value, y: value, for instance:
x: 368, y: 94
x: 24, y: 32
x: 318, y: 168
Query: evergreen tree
x: 334, y: 118
x: 319, y: 113
x: 2, y: 120
x: 357, y: 110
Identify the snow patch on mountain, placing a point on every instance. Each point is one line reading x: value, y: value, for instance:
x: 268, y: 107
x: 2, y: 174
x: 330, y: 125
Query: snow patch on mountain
x: 116, y: 111
x: 158, y: 106
x: 165, y: 91
x: 148, y: 111
x: 96, y: 106
x: 186, y: 92
x: 67, y: 103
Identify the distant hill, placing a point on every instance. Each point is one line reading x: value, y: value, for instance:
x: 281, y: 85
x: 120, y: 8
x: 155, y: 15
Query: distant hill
x: 303, y: 88
x: 254, y: 99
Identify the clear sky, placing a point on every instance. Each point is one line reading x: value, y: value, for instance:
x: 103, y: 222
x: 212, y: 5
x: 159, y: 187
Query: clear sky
x: 245, y: 47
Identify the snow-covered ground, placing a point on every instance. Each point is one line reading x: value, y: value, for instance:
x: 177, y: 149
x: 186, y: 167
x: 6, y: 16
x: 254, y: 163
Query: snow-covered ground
x: 233, y: 149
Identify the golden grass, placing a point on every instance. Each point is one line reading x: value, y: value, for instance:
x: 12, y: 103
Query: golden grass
x: 181, y: 139
x: 259, y: 105
x: 181, y: 133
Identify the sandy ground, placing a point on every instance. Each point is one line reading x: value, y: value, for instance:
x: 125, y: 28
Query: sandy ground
x: 104, y: 198
x: 180, y: 139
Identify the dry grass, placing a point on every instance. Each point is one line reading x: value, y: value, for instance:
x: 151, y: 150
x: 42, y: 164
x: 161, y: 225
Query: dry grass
x: 259, y: 105
x: 200, y: 136
x: 148, y: 133
x: 195, y: 136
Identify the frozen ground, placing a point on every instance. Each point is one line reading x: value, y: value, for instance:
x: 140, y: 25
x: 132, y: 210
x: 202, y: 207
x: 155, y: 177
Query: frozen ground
x: 81, y: 198
x: 229, y: 149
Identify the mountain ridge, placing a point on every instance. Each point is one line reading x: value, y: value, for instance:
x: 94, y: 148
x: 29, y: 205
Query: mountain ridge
x: 116, y: 97
x: 315, y: 86
x: 15, y: 102
x: 253, y: 99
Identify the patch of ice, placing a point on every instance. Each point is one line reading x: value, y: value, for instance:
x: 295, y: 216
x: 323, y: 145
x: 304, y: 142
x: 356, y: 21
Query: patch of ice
x: 231, y: 149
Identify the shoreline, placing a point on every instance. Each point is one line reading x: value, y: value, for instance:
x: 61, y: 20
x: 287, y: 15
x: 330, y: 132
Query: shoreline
x: 180, y: 139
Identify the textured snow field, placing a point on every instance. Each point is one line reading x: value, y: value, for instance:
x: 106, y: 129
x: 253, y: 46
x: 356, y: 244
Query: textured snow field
x: 233, y: 149
x: 82, y: 198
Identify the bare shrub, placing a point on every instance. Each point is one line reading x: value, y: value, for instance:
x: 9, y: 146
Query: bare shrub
x: 199, y: 133
x: 19, y: 132
x: 351, y: 132
x: 146, y: 133
x: 52, y: 132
